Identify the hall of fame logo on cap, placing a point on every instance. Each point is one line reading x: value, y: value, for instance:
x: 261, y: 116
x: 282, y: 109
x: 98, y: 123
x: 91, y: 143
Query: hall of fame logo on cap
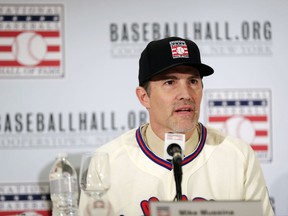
x: 179, y: 49
x: 243, y: 113
x: 29, y: 199
x: 31, y: 41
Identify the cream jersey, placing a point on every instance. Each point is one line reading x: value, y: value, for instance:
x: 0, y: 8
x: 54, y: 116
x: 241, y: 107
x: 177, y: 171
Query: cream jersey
x: 220, y: 168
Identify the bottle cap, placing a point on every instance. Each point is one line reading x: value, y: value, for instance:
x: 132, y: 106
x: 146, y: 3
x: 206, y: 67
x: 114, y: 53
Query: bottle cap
x: 62, y: 155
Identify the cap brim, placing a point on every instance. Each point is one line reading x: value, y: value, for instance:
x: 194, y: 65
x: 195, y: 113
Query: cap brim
x: 204, y: 70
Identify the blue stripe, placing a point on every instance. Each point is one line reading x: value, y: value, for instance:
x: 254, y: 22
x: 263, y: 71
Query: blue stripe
x: 24, y: 197
x: 29, y: 18
x: 240, y: 103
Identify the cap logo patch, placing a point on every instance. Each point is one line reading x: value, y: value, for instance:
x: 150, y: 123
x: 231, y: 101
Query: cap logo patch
x: 179, y: 49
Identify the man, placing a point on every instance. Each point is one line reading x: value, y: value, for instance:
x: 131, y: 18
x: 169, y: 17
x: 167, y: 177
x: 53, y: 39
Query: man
x: 215, y: 166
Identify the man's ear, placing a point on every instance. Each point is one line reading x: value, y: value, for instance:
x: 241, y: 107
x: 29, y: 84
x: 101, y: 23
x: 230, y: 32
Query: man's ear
x: 143, y: 97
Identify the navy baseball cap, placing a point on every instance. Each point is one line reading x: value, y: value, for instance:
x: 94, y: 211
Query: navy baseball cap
x: 161, y: 55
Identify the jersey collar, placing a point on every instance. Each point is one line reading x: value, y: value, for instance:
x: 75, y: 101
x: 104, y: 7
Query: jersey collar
x: 164, y: 163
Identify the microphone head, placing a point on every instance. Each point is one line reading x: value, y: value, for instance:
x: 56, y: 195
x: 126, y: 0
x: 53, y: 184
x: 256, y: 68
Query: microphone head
x: 173, y: 139
x: 174, y: 148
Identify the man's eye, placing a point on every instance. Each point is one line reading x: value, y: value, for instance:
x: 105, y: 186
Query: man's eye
x: 169, y: 82
x: 194, y: 81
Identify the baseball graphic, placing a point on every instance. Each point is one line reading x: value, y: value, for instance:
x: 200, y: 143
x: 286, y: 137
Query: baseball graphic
x: 29, y: 48
x: 180, y: 50
x: 240, y: 127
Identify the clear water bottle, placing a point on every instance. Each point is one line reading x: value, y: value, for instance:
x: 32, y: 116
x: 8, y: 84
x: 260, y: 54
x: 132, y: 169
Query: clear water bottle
x: 63, y: 187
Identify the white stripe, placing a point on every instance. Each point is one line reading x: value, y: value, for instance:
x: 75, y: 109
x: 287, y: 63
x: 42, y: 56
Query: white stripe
x: 261, y: 125
x: 261, y: 140
x: 53, y: 56
x: 48, y: 56
x: 53, y: 41
x: 4, y: 41
x: 218, y: 125
x: 6, y: 56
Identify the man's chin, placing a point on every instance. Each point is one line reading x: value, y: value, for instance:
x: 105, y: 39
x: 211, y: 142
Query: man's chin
x: 184, y: 128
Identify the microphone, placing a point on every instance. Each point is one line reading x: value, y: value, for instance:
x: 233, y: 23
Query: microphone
x: 174, y: 142
x: 175, y: 151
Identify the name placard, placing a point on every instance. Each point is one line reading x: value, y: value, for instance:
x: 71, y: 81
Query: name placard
x: 212, y: 208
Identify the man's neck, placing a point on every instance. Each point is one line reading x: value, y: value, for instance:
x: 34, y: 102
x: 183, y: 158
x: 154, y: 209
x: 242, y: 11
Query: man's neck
x: 156, y: 144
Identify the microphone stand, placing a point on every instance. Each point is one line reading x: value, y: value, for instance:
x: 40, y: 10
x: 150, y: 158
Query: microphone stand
x: 175, y: 151
x: 177, y: 169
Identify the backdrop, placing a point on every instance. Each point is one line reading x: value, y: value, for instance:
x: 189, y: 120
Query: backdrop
x: 68, y: 73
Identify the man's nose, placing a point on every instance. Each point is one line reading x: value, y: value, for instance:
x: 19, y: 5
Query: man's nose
x: 185, y: 92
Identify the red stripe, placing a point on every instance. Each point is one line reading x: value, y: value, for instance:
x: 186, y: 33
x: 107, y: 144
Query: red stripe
x: 17, y: 64
x: 43, y: 33
x: 10, y: 33
x: 49, y: 34
x: 42, y: 213
x: 49, y: 63
x: 5, y: 49
x: 261, y: 133
x: 225, y: 118
x: 53, y: 48
x: 257, y: 118
x: 259, y: 147
x: 218, y: 118
x: 9, y: 64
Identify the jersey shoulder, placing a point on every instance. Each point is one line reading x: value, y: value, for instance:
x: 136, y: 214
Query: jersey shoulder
x: 120, y: 143
x: 220, y: 139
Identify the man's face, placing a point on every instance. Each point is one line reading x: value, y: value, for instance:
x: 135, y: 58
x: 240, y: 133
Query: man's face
x: 174, y: 100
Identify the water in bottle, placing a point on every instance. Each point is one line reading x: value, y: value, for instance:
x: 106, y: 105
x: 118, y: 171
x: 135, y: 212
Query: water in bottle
x: 63, y: 187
